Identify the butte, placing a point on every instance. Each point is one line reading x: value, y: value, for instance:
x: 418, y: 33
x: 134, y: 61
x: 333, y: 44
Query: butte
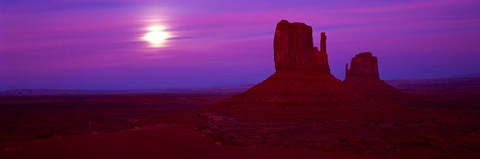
x: 363, y: 76
x: 302, y: 82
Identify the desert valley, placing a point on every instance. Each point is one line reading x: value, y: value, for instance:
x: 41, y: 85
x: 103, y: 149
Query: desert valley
x: 300, y: 111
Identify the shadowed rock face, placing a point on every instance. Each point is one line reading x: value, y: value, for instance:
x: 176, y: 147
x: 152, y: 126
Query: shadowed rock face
x: 363, y: 65
x: 363, y: 75
x: 294, y: 50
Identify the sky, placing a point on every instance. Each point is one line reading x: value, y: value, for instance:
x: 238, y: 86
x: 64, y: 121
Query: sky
x: 98, y: 44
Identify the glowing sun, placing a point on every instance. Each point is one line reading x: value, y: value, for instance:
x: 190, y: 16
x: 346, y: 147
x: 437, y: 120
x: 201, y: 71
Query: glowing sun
x: 156, y: 36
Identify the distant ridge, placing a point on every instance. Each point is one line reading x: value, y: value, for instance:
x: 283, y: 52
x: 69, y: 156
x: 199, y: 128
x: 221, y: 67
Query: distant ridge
x: 438, y: 83
x: 435, y: 83
x: 58, y: 92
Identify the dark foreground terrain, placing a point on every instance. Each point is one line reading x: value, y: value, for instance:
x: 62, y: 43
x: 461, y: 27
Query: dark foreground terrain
x: 437, y: 122
x: 24, y: 118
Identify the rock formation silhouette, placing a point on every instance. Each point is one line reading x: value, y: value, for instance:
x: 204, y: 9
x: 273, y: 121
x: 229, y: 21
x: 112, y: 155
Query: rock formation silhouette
x: 363, y: 75
x: 294, y: 50
x: 363, y: 65
x: 302, y: 78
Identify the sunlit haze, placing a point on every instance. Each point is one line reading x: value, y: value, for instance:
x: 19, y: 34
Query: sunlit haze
x: 156, y: 36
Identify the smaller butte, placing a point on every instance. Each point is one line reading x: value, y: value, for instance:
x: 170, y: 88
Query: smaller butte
x: 363, y: 75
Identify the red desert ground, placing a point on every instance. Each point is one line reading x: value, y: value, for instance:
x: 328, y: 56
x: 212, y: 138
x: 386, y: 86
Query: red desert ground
x: 300, y: 111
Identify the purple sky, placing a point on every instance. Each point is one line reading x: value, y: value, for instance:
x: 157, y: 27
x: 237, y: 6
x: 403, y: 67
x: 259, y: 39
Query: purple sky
x: 87, y: 44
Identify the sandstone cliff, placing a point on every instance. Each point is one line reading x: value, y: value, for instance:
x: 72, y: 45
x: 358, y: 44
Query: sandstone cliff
x: 294, y: 49
x: 363, y: 65
x: 363, y: 75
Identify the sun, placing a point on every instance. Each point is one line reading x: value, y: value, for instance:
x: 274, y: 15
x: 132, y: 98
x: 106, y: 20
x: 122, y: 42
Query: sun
x: 156, y: 36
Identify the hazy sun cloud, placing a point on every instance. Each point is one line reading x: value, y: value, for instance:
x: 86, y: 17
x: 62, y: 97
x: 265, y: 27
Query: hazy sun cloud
x: 92, y: 44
